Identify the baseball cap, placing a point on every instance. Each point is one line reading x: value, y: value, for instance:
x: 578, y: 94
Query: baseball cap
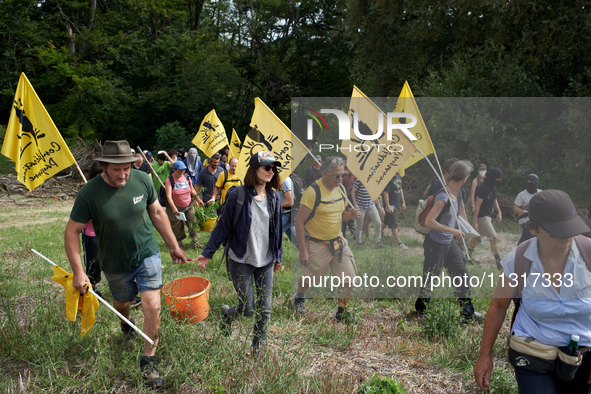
x: 149, y: 154
x: 263, y: 158
x: 179, y: 165
x: 555, y: 211
x: 318, y: 157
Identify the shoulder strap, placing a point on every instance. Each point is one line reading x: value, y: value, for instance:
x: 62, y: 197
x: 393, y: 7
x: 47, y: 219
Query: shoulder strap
x: 316, y: 201
x: 239, y: 204
x: 584, y: 246
x: 225, y: 178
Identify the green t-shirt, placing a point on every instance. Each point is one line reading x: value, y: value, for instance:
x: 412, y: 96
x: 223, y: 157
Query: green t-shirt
x: 163, y: 172
x: 120, y: 219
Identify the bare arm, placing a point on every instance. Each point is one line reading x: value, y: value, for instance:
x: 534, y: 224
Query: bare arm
x: 386, y: 198
x: 162, y: 225
x: 473, y: 192
x: 402, y: 200
x: 303, y: 214
x: 168, y: 189
x: 72, y: 245
x: 431, y: 221
x: 463, y: 210
x: 499, y: 213
x: 354, y: 197
x: 476, y: 211
x: 214, y: 194
x: 495, y: 315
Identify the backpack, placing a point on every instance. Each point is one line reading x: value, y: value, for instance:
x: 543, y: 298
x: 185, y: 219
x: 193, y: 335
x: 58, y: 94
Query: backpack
x: 426, y: 191
x: 162, y: 192
x: 523, y: 265
x: 423, y: 210
x: 232, y: 188
x: 298, y: 188
x: 317, y: 201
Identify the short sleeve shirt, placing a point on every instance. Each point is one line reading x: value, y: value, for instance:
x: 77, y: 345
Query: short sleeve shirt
x: 120, y: 219
x: 394, y: 189
x: 181, y: 191
x: 233, y: 180
x: 207, y: 181
x: 328, y: 218
x: 287, y: 187
x: 489, y: 195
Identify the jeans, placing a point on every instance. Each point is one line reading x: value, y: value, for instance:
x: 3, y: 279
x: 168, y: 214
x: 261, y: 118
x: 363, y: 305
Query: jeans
x: 247, y: 280
x: 288, y: 226
x: 545, y: 383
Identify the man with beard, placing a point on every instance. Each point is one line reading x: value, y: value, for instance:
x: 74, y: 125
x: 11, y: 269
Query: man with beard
x: 207, y: 178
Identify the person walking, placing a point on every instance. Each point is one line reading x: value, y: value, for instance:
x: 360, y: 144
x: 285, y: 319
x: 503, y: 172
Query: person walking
x: 255, y: 251
x: 124, y: 209
x: 181, y: 197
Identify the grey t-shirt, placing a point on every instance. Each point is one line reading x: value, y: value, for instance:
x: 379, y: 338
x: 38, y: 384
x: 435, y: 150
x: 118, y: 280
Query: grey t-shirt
x: 447, y: 219
x: 258, y: 253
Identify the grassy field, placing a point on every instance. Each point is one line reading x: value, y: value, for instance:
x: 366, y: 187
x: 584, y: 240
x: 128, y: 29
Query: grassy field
x: 41, y: 351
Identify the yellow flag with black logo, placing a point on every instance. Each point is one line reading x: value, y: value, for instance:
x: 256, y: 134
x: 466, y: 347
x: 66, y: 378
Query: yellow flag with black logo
x: 235, y: 145
x: 32, y: 141
x: 211, y: 136
x: 85, y: 303
x: 374, y: 162
x: 268, y: 133
x: 406, y: 103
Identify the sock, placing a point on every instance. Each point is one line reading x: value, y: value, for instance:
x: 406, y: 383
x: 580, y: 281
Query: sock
x: 340, y: 309
x: 298, y: 295
x: 497, y: 257
x: 470, y: 250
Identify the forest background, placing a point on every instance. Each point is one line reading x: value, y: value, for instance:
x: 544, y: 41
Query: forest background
x: 148, y: 71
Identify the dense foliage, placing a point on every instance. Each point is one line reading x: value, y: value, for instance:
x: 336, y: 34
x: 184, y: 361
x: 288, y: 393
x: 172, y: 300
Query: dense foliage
x: 125, y: 69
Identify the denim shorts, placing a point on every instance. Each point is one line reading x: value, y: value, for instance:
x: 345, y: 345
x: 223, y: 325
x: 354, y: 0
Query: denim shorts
x: 148, y: 276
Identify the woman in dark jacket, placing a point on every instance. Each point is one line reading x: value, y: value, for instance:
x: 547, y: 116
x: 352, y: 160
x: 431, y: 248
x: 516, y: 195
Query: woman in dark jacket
x: 254, y: 246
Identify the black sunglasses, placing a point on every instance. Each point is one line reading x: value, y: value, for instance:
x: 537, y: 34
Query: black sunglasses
x: 268, y: 167
x: 339, y: 176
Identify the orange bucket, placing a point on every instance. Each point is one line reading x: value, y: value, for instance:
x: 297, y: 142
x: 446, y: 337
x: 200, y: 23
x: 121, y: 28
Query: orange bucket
x: 188, y: 298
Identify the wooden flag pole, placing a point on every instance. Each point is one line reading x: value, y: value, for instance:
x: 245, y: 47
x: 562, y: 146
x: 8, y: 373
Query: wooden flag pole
x: 151, y: 169
x: 147, y: 338
x: 80, y: 171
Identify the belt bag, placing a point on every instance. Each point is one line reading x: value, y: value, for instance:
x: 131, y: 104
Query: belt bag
x: 531, y: 355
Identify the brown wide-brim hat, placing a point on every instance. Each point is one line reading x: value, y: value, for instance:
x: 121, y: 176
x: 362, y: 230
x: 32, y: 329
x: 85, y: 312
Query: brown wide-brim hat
x: 117, y: 152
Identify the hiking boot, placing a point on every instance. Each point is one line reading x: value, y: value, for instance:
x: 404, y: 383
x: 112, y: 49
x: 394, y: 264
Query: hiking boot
x: 137, y: 301
x: 128, y: 332
x: 347, y: 318
x: 298, y: 304
x: 226, y: 323
x: 473, y: 318
x: 499, y: 266
x: 402, y: 246
x: 152, y: 376
x: 380, y: 245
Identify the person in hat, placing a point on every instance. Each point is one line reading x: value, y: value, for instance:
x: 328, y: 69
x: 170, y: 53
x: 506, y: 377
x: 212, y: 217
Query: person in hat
x: 554, y: 296
x: 181, y: 197
x: 124, y: 208
x: 486, y: 204
x: 522, y: 202
x: 255, y: 250
x: 313, y: 173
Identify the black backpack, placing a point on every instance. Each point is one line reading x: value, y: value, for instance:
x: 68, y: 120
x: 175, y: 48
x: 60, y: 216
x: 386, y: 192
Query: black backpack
x: 298, y: 188
x: 317, y: 200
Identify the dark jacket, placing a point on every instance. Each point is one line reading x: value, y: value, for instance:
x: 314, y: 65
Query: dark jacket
x: 239, y: 237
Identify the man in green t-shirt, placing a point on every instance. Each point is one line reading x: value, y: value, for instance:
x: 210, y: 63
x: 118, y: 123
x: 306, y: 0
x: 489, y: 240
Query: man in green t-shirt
x: 124, y: 208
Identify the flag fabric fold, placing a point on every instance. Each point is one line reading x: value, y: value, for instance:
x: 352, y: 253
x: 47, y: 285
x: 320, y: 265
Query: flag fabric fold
x: 85, y: 303
x: 406, y: 103
x: 374, y: 162
x: 267, y: 132
x: 32, y: 140
x: 235, y: 145
x: 211, y: 136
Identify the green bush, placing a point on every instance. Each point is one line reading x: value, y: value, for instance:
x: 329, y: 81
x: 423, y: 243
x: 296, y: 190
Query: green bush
x: 441, y: 320
x: 171, y: 135
x: 378, y: 385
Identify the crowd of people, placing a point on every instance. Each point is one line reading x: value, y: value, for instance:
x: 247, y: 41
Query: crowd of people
x: 118, y: 209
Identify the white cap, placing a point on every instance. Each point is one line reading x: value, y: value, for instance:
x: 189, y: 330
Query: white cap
x: 575, y: 338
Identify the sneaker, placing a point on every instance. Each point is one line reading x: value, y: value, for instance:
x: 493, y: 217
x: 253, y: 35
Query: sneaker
x: 226, y: 323
x: 347, y: 318
x: 360, y: 243
x: 499, y: 266
x: 298, y: 304
x: 137, y: 301
x: 128, y: 332
x: 473, y: 318
x: 402, y: 246
x: 152, y: 376
x: 380, y: 245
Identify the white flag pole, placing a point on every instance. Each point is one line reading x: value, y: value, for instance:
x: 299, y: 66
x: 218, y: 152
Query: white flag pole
x: 147, y: 338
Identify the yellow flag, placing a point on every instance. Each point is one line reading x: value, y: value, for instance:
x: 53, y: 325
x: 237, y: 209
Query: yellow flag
x: 267, y: 132
x: 406, y: 103
x: 235, y: 145
x: 85, y: 303
x: 374, y: 162
x: 32, y: 141
x: 211, y: 136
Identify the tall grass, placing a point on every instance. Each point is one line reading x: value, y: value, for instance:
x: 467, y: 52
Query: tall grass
x: 41, y: 351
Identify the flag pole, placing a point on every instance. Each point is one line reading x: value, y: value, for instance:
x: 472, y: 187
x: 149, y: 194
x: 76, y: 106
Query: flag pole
x: 147, y: 338
x: 80, y: 171
x: 151, y: 169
